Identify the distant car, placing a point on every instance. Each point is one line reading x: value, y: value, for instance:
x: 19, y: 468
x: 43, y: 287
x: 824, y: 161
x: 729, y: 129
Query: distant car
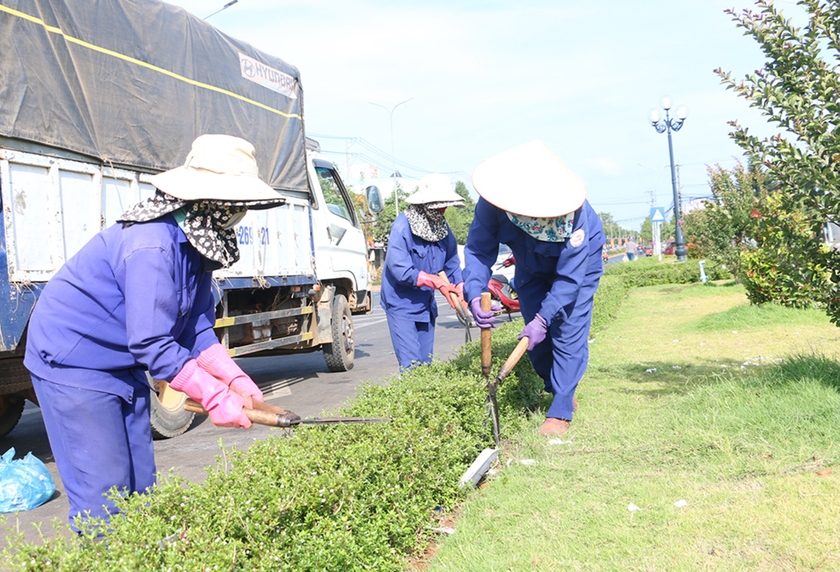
x: 648, y: 251
x: 670, y: 248
x: 498, y: 267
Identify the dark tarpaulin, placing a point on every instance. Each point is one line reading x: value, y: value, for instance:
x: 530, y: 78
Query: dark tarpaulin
x: 134, y: 82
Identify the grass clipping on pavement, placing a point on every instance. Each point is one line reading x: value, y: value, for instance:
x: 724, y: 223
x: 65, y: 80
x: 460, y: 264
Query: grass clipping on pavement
x: 706, y: 438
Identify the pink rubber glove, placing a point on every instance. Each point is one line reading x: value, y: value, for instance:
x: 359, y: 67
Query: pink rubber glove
x: 426, y: 280
x: 223, y: 405
x: 483, y: 319
x: 217, y: 362
x: 535, y: 330
x: 458, y: 290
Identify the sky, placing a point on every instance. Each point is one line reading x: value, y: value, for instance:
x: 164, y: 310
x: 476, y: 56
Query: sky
x: 484, y: 76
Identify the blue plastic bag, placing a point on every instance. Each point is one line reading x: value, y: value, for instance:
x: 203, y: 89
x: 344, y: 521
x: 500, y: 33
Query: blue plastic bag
x: 24, y: 483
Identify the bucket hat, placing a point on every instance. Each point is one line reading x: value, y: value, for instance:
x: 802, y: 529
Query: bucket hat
x: 529, y: 180
x: 435, y: 191
x: 218, y: 168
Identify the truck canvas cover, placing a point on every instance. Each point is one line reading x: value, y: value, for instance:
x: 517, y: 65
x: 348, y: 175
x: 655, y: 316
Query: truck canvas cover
x: 133, y: 82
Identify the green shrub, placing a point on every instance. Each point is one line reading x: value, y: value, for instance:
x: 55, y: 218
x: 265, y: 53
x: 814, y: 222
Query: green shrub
x: 611, y: 292
x: 356, y: 497
x: 330, y: 498
x: 652, y: 272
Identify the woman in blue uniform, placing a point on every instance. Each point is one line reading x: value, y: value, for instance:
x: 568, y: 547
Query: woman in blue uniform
x: 137, y: 297
x: 420, y: 246
x: 532, y: 202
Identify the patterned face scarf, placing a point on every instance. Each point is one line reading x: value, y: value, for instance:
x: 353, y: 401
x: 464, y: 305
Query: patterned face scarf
x: 546, y: 229
x: 426, y: 223
x: 205, y: 223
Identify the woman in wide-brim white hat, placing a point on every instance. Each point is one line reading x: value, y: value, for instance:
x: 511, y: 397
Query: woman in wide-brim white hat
x: 421, y: 245
x: 531, y: 201
x: 137, y: 297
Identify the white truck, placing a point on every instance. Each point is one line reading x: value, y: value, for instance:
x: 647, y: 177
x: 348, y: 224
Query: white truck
x: 95, y: 98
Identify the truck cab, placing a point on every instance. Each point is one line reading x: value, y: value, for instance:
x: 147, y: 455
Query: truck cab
x: 341, y: 253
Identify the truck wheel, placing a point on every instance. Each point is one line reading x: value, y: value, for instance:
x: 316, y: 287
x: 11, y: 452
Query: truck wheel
x: 169, y: 418
x: 339, y: 354
x: 11, y: 408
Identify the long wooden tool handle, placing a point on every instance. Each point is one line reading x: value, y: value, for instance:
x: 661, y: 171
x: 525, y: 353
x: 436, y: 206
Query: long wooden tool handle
x: 259, y: 416
x: 486, y: 337
x: 459, y: 308
x: 263, y: 406
x: 514, y: 358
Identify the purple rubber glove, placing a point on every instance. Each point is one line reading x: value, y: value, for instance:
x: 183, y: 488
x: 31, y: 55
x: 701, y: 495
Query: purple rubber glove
x: 483, y: 319
x: 535, y: 330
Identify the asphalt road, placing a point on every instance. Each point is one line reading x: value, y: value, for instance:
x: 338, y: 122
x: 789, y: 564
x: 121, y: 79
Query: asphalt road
x: 301, y: 383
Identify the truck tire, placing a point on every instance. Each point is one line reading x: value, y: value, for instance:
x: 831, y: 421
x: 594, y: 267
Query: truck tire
x: 169, y: 418
x: 339, y: 354
x: 11, y: 408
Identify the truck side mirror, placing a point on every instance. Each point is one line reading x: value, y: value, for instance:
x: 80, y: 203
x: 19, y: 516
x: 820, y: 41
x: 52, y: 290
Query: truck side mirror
x: 374, y: 200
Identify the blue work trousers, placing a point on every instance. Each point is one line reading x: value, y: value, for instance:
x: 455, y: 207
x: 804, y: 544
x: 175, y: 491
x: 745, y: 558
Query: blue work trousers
x: 561, y: 358
x: 99, y: 441
x: 414, y: 342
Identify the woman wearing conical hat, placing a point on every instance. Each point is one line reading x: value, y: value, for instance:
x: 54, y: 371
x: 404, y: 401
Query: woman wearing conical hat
x: 532, y: 202
x: 420, y: 246
x: 137, y: 297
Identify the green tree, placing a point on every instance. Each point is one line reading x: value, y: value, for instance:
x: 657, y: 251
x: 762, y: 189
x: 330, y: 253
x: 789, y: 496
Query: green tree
x: 385, y: 219
x: 647, y: 230
x: 611, y: 228
x: 362, y: 212
x: 460, y: 219
x: 775, y: 272
x: 797, y: 91
x: 726, y: 227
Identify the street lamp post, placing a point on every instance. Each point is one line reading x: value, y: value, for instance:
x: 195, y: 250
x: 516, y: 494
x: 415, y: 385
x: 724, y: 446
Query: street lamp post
x: 672, y: 124
x: 393, y: 158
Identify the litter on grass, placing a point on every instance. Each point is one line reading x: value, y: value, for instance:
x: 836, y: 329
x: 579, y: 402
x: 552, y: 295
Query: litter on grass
x: 681, y: 503
x: 480, y: 466
x: 632, y: 508
x: 559, y: 442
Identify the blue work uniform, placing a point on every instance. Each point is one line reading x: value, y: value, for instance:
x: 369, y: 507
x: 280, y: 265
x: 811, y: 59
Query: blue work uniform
x: 558, y: 280
x: 412, y: 311
x: 132, y: 299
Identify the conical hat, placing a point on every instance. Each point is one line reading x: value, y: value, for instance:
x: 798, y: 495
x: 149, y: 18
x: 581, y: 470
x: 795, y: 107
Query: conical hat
x: 218, y: 168
x: 529, y: 180
x: 434, y: 189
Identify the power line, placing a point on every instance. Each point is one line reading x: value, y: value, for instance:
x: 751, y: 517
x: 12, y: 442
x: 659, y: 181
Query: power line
x: 380, y: 158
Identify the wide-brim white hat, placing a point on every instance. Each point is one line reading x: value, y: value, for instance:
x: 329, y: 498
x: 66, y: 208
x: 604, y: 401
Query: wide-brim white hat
x: 218, y: 168
x: 435, y: 190
x: 529, y: 180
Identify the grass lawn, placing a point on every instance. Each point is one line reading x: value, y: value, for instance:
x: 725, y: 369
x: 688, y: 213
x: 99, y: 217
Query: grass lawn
x: 692, y: 398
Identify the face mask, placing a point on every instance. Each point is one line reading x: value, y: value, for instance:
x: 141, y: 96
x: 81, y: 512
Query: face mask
x: 552, y: 229
x: 235, y: 219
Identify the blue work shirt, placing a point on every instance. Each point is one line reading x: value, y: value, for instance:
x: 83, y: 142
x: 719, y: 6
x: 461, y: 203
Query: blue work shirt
x: 406, y: 257
x: 132, y: 299
x: 564, y: 267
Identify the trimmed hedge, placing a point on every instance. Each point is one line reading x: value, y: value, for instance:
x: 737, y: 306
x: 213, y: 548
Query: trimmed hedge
x: 611, y: 293
x: 652, y: 272
x: 355, y: 497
